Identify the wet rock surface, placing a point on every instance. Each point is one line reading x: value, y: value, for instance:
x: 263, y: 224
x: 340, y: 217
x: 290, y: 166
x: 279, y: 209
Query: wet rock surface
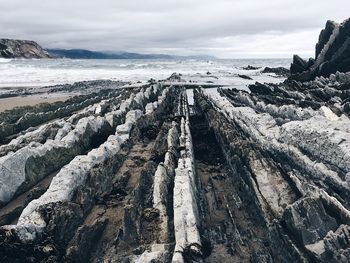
x: 141, y: 176
x: 291, y: 189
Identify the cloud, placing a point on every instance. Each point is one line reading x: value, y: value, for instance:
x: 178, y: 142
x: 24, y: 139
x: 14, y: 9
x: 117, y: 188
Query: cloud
x: 225, y: 28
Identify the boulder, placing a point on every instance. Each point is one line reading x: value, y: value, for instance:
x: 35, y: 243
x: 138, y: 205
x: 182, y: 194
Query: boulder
x: 299, y: 65
x: 249, y: 67
x: 308, y: 220
x: 244, y: 77
x: 280, y: 71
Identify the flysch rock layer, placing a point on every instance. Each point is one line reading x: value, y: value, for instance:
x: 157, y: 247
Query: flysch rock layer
x: 283, y: 157
x: 64, y: 185
x: 178, y: 171
x: 265, y: 177
x: 33, y: 118
x: 300, y: 177
x: 163, y: 179
x: 33, y: 162
x: 25, y: 167
x: 186, y: 218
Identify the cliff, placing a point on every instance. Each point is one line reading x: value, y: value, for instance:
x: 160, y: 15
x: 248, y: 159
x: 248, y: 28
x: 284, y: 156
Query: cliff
x: 332, y: 53
x: 11, y: 48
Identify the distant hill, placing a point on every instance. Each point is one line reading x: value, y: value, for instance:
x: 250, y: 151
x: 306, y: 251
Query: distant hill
x: 13, y: 48
x: 87, y: 54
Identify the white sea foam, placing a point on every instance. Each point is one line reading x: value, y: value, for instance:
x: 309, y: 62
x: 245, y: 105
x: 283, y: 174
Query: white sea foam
x: 5, y: 60
x: 25, y: 73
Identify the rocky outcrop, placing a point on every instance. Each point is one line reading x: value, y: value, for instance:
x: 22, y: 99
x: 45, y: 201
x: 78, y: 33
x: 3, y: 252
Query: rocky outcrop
x: 258, y: 176
x: 299, y: 65
x: 186, y: 216
x: 25, y: 167
x: 140, y: 176
x: 249, y: 67
x: 161, y: 250
x: 17, y: 120
x: 84, y: 180
x: 280, y: 71
x: 324, y: 37
x: 332, y: 53
x: 11, y: 48
x: 292, y: 141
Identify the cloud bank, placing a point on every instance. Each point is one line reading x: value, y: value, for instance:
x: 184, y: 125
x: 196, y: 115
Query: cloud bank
x: 223, y: 28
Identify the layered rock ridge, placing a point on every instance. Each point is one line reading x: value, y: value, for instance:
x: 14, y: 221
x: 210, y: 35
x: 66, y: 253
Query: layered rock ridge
x: 332, y: 53
x: 292, y: 155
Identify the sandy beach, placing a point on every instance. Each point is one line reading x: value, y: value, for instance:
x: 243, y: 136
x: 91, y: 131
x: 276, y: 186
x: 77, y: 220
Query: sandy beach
x: 10, y: 103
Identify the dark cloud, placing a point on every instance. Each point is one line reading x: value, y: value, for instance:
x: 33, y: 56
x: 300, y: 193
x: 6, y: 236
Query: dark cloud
x: 225, y: 28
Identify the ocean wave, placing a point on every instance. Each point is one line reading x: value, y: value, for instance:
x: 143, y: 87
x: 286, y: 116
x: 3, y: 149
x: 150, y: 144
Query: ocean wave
x: 5, y: 60
x: 58, y: 71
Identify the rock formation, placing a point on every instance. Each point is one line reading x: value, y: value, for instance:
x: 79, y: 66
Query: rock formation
x: 280, y: 71
x: 295, y: 161
x: 139, y: 175
x: 11, y: 48
x: 332, y: 53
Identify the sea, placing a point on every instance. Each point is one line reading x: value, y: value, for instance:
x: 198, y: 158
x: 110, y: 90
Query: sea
x: 45, y: 72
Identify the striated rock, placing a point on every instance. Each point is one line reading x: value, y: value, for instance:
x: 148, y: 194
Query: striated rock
x: 163, y: 179
x: 292, y: 191
x: 74, y: 175
x: 325, y: 36
x: 332, y: 53
x: 186, y: 217
x: 141, y: 176
x: 24, y: 168
x: 15, y: 123
x: 335, y: 245
x: 40, y: 135
x: 64, y: 185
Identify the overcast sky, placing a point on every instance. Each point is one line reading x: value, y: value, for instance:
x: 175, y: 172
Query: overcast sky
x: 223, y: 28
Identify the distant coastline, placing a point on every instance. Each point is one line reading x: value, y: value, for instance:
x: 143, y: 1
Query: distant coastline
x: 14, y: 48
x: 88, y: 54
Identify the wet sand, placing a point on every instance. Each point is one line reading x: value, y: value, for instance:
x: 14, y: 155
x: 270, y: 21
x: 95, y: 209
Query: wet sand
x: 10, y: 103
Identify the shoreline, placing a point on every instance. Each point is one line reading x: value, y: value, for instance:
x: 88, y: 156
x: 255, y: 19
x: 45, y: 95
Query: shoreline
x: 31, y: 100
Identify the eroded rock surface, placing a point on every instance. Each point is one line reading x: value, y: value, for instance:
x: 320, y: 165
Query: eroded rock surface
x: 139, y: 175
x: 258, y: 176
x: 294, y: 156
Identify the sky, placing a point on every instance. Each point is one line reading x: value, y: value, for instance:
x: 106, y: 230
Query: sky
x: 221, y: 28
